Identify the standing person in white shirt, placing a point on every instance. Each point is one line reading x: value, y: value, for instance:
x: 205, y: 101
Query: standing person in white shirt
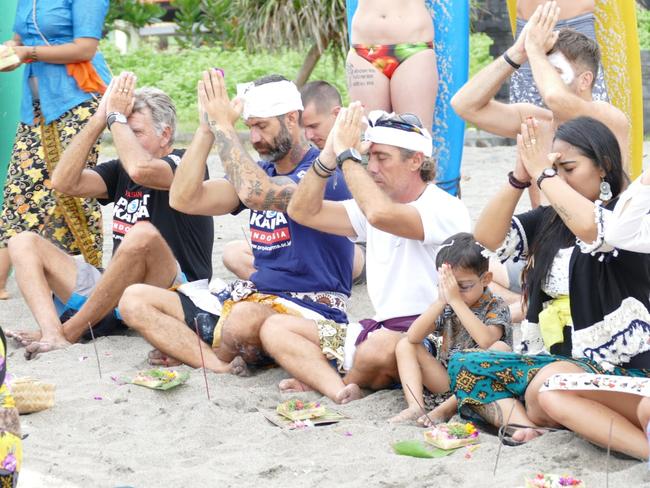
x: 403, y: 217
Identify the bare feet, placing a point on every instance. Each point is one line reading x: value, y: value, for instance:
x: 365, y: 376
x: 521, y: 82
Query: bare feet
x: 438, y: 415
x: 238, y: 367
x: 526, y: 435
x: 23, y: 338
x: 406, y: 415
x: 157, y: 358
x: 292, y: 385
x: 4, y: 294
x: 37, y: 347
x: 348, y: 394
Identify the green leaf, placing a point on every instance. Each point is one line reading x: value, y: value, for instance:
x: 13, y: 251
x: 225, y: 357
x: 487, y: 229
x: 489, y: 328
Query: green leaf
x: 420, y: 449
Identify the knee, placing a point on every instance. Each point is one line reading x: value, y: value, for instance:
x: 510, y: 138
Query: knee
x: 140, y: 238
x: 549, y: 405
x: 271, y: 330
x: 404, y: 347
x: 132, y: 305
x: 25, y: 243
x: 236, y: 256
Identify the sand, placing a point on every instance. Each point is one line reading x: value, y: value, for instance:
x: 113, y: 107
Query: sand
x: 104, y: 434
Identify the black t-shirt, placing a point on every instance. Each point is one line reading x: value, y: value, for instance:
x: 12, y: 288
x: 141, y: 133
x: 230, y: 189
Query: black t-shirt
x: 190, y: 237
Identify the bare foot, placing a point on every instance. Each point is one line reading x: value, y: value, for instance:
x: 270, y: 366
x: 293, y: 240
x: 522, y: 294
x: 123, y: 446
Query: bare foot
x: 4, y: 294
x: 405, y: 415
x: 438, y: 415
x: 292, y: 385
x: 157, y: 358
x: 348, y: 394
x: 526, y: 435
x: 38, y: 347
x: 23, y: 338
x: 238, y: 367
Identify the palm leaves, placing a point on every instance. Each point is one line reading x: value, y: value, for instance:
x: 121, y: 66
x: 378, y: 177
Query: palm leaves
x: 297, y: 24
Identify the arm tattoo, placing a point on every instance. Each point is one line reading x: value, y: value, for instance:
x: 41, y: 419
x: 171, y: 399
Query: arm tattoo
x: 491, y: 412
x: 278, y: 201
x: 249, y: 180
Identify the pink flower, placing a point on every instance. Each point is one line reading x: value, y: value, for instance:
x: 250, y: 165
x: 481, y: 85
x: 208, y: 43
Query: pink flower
x: 10, y: 463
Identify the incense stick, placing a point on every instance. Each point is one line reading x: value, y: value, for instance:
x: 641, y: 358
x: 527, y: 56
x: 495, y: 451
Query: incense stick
x: 205, y: 376
x: 419, y: 405
x: 92, y: 335
x: 496, y: 461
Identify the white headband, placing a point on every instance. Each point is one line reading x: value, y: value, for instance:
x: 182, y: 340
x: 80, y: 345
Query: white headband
x: 393, y: 136
x: 270, y: 99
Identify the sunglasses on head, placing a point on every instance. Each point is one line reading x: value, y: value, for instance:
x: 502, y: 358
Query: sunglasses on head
x: 406, y: 122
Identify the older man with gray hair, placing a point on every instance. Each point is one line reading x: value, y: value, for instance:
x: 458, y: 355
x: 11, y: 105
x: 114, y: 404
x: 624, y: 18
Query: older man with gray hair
x: 403, y: 217
x: 152, y: 243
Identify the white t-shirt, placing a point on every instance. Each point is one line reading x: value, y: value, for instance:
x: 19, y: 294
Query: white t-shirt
x: 401, y: 273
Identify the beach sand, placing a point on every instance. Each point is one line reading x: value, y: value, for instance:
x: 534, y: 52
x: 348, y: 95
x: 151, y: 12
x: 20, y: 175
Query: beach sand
x: 104, y: 434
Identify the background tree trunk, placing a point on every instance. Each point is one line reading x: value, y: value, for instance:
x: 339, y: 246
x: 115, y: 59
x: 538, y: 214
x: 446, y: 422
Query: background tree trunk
x: 309, y: 64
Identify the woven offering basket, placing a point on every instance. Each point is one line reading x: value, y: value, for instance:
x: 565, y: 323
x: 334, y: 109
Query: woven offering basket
x: 31, y: 395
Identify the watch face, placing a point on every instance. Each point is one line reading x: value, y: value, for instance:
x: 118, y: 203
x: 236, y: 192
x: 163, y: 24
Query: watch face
x: 355, y: 154
x: 550, y: 172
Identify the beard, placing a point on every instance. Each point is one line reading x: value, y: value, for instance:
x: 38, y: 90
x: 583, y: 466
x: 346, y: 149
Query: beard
x: 279, y: 148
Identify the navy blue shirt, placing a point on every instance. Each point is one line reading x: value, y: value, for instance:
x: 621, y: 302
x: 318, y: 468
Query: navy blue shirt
x: 290, y: 257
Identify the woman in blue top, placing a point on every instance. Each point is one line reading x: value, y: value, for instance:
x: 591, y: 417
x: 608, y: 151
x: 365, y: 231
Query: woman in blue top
x: 64, y: 73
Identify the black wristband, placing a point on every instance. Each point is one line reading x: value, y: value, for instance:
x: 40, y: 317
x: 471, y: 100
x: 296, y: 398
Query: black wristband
x: 321, y: 170
x: 515, y: 183
x: 509, y: 60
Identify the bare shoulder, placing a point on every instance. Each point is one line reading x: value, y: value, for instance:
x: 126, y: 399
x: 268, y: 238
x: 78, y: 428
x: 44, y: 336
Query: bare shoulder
x: 608, y: 113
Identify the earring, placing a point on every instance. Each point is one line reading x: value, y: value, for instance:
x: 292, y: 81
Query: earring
x: 605, y: 191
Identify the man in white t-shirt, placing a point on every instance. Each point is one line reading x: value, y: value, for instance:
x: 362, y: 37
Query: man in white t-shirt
x: 403, y: 218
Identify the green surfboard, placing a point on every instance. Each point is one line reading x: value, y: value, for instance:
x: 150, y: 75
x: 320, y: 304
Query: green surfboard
x: 10, y: 94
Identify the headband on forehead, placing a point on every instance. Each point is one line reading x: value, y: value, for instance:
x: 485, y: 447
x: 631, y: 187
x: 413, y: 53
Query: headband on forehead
x: 270, y: 99
x: 384, y: 134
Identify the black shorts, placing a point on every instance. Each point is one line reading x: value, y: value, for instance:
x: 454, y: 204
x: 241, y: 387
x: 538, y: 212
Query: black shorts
x: 205, y: 321
x: 108, y: 326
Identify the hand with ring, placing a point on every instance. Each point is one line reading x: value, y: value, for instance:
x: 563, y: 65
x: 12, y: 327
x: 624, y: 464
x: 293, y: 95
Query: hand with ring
x: 534, y: 144
x: 122, y: 94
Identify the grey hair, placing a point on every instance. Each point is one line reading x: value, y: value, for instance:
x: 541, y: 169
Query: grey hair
x: 163, y: 112
x: 428, y: 168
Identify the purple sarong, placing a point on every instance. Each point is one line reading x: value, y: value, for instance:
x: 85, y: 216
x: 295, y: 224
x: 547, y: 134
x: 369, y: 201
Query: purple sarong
x: 398, y: 324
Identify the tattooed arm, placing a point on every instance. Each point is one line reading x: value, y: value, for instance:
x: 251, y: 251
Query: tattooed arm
x: 253, y: 186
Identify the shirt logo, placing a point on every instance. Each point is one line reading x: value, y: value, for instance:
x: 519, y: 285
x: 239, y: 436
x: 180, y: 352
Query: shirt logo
x: 269, y: 230
x: 127, y: 213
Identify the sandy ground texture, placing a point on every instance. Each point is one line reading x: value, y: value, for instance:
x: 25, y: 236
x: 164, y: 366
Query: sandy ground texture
x: 103, y: 434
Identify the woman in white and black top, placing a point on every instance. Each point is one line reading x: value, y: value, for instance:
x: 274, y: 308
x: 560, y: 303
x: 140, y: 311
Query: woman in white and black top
x: 587, y: 302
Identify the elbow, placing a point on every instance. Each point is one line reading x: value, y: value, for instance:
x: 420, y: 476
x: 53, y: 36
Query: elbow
x: 557, y: 102
x: 179, y: 202
x: 464, y: 108
x: 377, y: 217
x: 59, y: 184
x: 459, y: 107
x: 296, y: 213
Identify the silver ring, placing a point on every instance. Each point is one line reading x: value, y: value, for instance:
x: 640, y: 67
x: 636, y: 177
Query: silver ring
x: 533, y: 141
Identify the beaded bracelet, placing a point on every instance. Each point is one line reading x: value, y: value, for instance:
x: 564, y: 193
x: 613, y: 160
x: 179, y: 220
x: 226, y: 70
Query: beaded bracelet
x: 515, y: 183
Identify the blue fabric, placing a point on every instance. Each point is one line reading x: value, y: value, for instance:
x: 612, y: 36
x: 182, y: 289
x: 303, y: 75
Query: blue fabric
x: 60, y: 21
x: 290, y: 257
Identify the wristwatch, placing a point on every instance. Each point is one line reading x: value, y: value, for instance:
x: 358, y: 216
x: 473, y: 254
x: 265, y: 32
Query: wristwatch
x: 546, y: 173
x: 113, y: 117
x: 351, y: 153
